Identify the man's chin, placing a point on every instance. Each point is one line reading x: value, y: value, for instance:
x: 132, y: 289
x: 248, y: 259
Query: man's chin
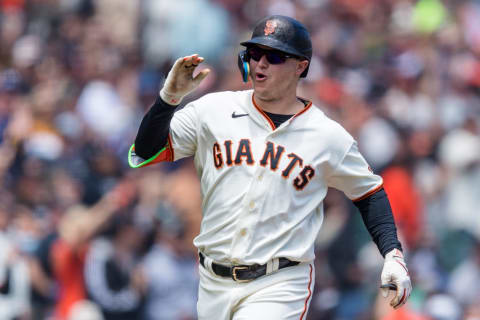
x: 262, y: 93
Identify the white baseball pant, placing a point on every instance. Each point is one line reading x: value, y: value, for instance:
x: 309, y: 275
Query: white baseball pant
x: 283, y: 295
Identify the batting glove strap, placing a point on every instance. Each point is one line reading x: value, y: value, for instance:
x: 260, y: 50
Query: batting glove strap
x: 171, y: 99
x: 395, y: 271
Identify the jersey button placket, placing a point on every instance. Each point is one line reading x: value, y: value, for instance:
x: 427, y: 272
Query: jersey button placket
x: 246, y: 226
x: 243, y: 234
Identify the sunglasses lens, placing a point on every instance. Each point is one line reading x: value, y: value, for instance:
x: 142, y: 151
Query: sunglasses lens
x: 255, y: 53
x: 273, y: 57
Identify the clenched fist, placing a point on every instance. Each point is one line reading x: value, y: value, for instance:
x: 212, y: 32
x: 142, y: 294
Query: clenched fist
x: 395, y: 272
x: 180, y: 80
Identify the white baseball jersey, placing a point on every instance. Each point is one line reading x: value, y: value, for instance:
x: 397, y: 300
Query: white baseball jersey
x: 263, y: 188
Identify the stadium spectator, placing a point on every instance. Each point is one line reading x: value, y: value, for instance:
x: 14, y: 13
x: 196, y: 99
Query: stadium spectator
x: 114, y: 280
x: 172, y: 289
x: 76, y: 229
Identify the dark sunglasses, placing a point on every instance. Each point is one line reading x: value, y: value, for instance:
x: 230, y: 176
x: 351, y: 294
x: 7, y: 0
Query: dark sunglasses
x: 272, y: 56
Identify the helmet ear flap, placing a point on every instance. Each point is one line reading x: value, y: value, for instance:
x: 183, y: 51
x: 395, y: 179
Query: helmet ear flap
x: 244, y: 65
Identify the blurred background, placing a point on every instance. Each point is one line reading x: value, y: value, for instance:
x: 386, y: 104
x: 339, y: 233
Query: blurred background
x: 84, y: 237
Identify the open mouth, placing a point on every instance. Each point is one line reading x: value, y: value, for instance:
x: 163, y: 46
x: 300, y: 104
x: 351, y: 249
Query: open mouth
x: 260, y: 76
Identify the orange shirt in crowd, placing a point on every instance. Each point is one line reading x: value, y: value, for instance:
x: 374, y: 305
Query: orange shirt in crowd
x: 404, y: 313
x: 68, y: 265
x: 406, y: 203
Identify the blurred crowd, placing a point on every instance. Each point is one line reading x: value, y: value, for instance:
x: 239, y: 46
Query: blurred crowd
x: 84, y: 237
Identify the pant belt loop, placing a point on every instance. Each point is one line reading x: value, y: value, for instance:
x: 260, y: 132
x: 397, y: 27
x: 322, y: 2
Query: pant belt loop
x: 208, y: 263
x: 272, y: 266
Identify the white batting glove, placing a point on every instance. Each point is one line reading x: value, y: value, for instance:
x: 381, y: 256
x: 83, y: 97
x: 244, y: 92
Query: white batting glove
x: 180, y: 80
x: 395, y: 272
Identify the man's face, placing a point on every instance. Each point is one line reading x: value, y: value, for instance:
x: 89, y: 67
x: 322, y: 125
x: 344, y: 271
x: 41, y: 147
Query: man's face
x: 273, y: 73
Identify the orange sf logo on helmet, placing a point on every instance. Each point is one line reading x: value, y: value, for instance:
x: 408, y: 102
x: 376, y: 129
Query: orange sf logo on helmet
x: 270, y: 26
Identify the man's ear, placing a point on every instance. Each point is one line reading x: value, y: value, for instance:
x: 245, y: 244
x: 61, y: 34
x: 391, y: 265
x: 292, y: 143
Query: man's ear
x: 301, y: 66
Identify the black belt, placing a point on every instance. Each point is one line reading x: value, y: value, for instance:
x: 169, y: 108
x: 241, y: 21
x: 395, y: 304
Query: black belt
x: 245, y: 273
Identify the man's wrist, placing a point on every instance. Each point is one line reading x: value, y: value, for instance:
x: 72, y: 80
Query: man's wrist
x: 395, y: 252
x: 171, y: 99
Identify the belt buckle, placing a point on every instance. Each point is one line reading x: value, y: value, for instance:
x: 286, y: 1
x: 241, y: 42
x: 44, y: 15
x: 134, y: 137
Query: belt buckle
x: 234, y: 273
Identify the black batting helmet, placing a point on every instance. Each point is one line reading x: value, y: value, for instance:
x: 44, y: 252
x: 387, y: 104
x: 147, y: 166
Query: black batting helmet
x: 284, y: 34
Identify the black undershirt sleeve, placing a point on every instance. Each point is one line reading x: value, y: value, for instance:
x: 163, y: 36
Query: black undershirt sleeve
x: 378, y: 218
x: 153, y: 132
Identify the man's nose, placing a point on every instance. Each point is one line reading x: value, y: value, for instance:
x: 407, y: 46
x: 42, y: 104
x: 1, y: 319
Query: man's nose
x: 263, y: 62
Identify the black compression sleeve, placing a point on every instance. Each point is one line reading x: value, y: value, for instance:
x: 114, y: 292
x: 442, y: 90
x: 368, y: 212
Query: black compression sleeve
x: 378, y: 218
x: 153, y: 132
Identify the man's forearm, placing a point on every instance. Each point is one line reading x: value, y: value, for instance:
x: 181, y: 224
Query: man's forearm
x: 378, y: 218
x: 153, y: 132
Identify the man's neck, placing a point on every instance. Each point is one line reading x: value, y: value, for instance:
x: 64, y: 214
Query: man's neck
x: 289, y: 105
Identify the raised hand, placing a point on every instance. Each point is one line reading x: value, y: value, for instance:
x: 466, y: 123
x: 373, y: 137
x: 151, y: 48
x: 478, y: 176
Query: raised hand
x: 180, y: 80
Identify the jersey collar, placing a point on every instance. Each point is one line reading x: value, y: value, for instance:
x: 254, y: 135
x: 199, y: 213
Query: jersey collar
x: 265, y: 118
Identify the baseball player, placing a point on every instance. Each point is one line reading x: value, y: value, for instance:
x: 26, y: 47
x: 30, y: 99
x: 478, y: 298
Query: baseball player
x: 265, y: 159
